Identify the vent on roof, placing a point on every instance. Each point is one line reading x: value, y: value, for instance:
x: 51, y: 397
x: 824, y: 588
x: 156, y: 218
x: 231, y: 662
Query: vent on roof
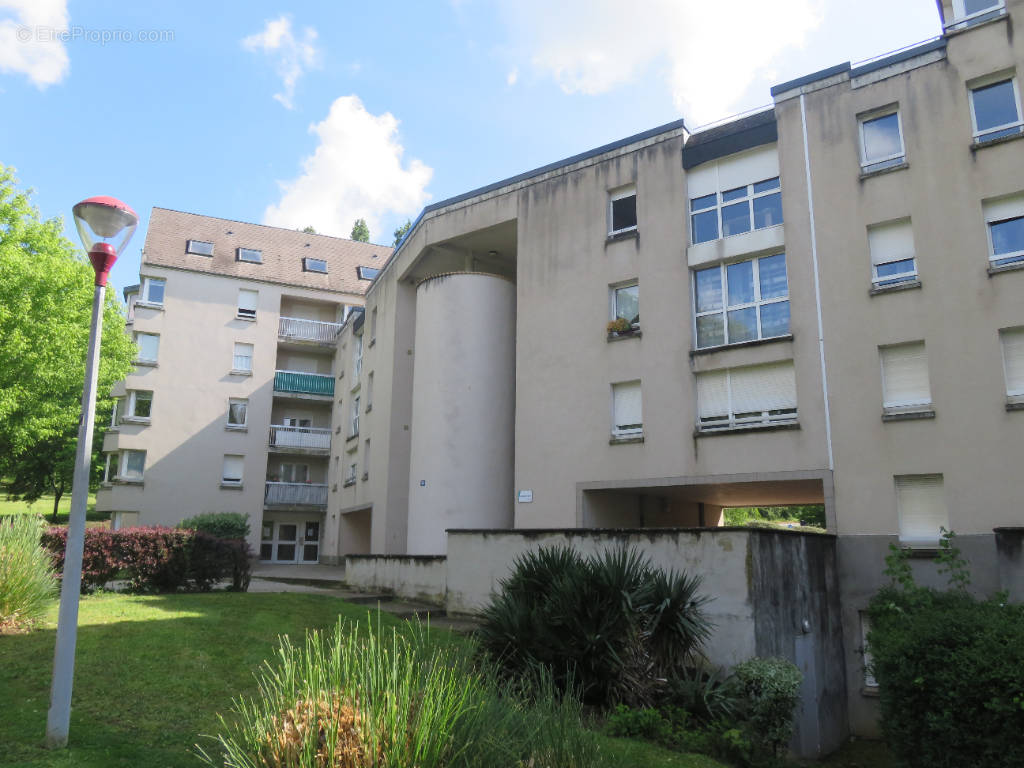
x: 250, y: 255
x: 367, y: 273
x: 314, y: 265
x: 199, y: 247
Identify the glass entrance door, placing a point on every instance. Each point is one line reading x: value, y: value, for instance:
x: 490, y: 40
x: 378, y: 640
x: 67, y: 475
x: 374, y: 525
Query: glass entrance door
x: 290, y: 542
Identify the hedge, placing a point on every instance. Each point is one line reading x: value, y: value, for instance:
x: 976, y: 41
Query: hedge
x: 156, y: 559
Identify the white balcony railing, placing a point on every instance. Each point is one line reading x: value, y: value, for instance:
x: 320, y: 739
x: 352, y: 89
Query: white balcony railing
x: 307, y: 330
x: 297, y: 494
x: 300, y: 437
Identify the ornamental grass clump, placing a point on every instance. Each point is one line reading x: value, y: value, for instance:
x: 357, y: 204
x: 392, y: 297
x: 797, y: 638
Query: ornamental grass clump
x: 362, y: 697
x: 27, y: 579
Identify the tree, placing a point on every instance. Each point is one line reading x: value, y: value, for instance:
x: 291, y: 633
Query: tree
x: 360, y: 232
x: 308, y: 230
x: 46, y: 292
x: 401, y: 232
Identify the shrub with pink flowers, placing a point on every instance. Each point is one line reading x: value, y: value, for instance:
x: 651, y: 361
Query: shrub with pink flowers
x: 156, y: 559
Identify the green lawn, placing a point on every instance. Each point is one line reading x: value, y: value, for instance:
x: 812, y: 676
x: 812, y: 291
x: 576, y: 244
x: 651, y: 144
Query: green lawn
x: 153, y: 672
x: 44, y: 506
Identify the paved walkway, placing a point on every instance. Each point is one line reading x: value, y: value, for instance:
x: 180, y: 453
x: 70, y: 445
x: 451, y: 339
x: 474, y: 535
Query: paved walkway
x: 330, y: 580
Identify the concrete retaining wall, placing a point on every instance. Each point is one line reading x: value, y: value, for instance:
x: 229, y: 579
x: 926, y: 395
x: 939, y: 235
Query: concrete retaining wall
x: 414, y: 577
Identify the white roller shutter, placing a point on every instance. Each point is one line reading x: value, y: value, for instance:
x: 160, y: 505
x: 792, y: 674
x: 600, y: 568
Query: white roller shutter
x: 763, y: 388
x: 1013, y: 359
x: 627, y: 407
x: 1004, y: 208
x: 247, y: 301
x: 921, y: 501
x: 232, y: 469
x: 713, y: 394
x: 905, y: 375
x: 891, y: 242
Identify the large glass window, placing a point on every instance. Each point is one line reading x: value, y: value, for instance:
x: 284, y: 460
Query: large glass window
x: 745, y: 301
x: 881, y: 142
x: 133, y: 464
x: 995, y: 109
x: 735, y: 211
x: 140, y: 404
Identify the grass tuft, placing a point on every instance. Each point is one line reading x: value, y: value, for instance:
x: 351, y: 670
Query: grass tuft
x: 27, y: 579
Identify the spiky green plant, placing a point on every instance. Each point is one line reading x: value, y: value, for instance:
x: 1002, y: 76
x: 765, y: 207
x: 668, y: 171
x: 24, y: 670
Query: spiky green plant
x: 27, y: 579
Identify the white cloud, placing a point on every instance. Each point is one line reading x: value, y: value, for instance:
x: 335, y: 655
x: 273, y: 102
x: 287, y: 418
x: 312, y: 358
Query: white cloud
x: 707, y: 52
x: 513, y: 76
x: 294, y: 56
x: 29, y: 39
x: 355, y: 172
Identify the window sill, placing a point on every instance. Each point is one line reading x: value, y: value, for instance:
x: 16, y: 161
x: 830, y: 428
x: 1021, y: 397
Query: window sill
x: 909, y: 285
x: 351, y: 437
x: 230, y: 486
x: 626, y: 234
x: 625, y: 439
x: 739, y: 345
x: 123, y: 481
x: 871, y: 691
x: 747, y: 428
x: 865, y: 174
x: 984, y: 143
x: 959, y: 27
x: 912, y: 413
x: 1015, y: 404
x: 366, y: 476
x: 145, y: 364
x: 372, y: 342
x: 144, y: 421
x: 246, y: 318
x: 636, y: 333
x: 149, y: 305
x: 348, y: 483
x: 236, y: 428
x: 1005, y: 268
x: 235, y: 372
x: 369, y: 408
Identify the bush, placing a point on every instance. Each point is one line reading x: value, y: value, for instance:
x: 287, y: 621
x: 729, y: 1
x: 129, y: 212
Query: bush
x: 223, y: 525
x: 950, y: 670
x: 769, y: 690
x: 359, y: 697
x: 27, y: 580
x: 156, y: 559
x: 611, y: 624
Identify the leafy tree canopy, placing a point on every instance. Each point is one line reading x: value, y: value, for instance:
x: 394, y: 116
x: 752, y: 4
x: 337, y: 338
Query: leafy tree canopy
x: 46, y: 293
x: 401, y: 232
x: 360, y: 232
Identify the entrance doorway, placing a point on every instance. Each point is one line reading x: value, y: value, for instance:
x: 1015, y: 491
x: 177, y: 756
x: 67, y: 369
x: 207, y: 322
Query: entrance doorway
x: 290, y: 541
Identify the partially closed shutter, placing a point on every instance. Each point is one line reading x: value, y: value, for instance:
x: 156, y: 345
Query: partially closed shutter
x: 627, y: 407
x: 891, y: 242
x: 905, y: 375
x: 1013, y: 359
x: 922, y: 508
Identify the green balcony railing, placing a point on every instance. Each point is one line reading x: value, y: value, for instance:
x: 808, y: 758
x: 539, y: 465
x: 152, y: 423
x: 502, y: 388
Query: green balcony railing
x: 303, y: 383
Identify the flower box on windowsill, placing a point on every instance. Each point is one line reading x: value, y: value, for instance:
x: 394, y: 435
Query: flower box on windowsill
x: 629, y: 333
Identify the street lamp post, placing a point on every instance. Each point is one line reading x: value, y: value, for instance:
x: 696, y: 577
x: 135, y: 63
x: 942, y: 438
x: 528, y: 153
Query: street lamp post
x: 105, y: 226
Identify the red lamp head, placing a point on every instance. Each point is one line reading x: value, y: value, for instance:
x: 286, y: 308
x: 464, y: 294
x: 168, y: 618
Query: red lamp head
x: 105, y: 225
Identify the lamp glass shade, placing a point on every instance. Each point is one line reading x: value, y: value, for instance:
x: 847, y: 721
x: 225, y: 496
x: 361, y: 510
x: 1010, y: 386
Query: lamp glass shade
x: 105, y: 220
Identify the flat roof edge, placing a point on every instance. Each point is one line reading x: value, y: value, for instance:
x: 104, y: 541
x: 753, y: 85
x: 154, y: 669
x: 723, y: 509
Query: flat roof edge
x: 814, y: 77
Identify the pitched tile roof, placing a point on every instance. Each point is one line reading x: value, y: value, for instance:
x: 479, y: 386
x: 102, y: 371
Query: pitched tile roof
x: 283, y: 251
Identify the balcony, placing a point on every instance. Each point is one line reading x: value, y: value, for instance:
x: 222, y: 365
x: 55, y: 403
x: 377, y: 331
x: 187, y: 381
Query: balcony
x: 299, y: 383
x: 300, y: 439
x: 296, y: 495
x: 299, y: 329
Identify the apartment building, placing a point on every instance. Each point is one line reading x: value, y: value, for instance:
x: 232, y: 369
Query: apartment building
x: 228, y: 408
x: 819, y: 302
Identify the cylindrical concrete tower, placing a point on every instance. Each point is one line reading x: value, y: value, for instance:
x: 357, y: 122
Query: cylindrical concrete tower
x: 463, y: 408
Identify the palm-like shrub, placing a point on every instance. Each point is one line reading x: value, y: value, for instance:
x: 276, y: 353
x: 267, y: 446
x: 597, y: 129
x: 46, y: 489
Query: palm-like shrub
x: 27, y: 580
x: 612, y: 624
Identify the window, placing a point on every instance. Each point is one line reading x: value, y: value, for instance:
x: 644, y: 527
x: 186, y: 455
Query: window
x: 905, y: 375
x: 242, y: 360
x: 149, y: 346
x: 117, y: 412
x: 921, y: 504
x: 995, y: 109
x: 744, y: 301
x: 969, y: 12
x: 892, y: 253
x: 1005, y: 220
x: 735, y: 211
x: 294, y: 473
x: 353, y: 425
x: 625, y: 303
x: 350, y: 476
x: 152, y: 291
x: 367, y: 273
x: 314, y: 265
x: 199, y: 247
x: 369, y: 391
x: 131, y: 297
x: 106, y: 469
x: 237, y: 411
x: 232, y: 472
x: 627, y: 418
x: 247, y: 301
x: 1012, y: 340
x: 366, y: 459
x: 752, y: 396
x: 132, y: 465
x: 881, y: 141
x: 865, y: 630
x: 373, y: 325
x: 622, y: 210
x: 249, y: 254
x: 357, y: 358
x: 139, y: 405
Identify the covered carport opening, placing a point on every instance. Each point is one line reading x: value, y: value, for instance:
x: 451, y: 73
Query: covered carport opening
x: 692, y: 505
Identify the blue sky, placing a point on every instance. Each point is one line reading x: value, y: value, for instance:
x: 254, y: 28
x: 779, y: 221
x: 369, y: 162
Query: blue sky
x: 318, y: 112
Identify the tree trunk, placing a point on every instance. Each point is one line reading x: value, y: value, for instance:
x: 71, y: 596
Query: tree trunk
x: 58, y: 491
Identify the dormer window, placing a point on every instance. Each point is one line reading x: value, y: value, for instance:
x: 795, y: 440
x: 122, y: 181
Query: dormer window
x: 314, y: 265
x: 367, y: 273
x: 250, y: 255
x: 199, y: 247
